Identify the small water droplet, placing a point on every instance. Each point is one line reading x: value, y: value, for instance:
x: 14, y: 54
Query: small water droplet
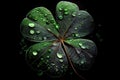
x: 46, y: 15
x: 61, y: 60
x: 44, y: 20
x: 41, y: 58
x: 44, y: 38
x: 59, y: 55
x: 54, y: 44
x: 56, y: 69
x: 60, y: 17
x: 73, y: 14
x: 65, y: 9
x: 32, y: 31
x: 49, y: 50
x: 65, y: 13
x: 48, y: 56
x: 49, y: 29
x: 82, y: 62
x: 80, y: 44
x: 76, y: 35
x: 83, y: 47
x: 76, y: 28
x: 31, y: 25
x: 52, y: 64
x: 56, y: 26
x: 37, y: 32
x: 34, y: 53
x: 60, y: 9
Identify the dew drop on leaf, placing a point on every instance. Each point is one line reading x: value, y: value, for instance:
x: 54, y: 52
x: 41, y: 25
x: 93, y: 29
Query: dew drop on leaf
x: 61, y: 60
x: 41, y: 58
x: 59, y: 55
x: 48, y: 56
x: 60, y: 17
x: 32, y: 31
x: 73, y: 14
x: 37, y: 32
x: 34, y: 53
x: 31, y: 25
x: 60, y: 9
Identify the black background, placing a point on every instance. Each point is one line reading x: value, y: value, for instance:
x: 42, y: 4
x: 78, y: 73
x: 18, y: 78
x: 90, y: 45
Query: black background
x: 15, y: 66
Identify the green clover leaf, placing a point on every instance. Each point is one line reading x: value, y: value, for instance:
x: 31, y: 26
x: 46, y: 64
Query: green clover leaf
x: 58, y: 44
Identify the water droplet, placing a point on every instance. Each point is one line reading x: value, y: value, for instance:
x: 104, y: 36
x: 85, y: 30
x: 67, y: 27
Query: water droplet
x: 73, y: 14
x: 48, y: 56
x: 60, y: 17
x: 59, y: 55
x: 31, y: 25
x: 54, y: 44
x: 49, y: 29
x: 48, y: 68
x: 76, y: 35
x: 49, y: 50
x: 80, y: 44
x: 56, y: 69
x: 52, y: 64
x: 65, y: 9
x: 82, y: 62
x: 56, y: 26
x: 32, y: 31
x: 61, y: 60
x: 37, y: 32
x: 44, y: 20
x: 60, y: 9
x: 83, y: 47
x: 44, y: 38
x: 65, y: 13
x: 62, y: 67
x: 34, y: 53
x: 46, y: 15
x: 41, y: 58
x: 76, y: 28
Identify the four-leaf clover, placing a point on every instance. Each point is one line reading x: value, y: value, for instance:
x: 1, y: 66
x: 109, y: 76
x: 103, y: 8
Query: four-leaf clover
x: 58, y: 44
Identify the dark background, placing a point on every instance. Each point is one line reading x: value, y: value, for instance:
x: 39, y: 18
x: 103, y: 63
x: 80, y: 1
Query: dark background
x: 15, y: 66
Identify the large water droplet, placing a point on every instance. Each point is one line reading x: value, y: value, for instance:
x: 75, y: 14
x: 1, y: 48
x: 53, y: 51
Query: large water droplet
x: 61, y: 60
x: 34, y: 53
x: 60, y: 17
x: 31, y: 25
x: 59, y: 55
x: 32, y: 31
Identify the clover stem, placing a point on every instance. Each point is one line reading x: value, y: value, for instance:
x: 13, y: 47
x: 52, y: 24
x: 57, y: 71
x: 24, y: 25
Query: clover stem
x: 71, y: 64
